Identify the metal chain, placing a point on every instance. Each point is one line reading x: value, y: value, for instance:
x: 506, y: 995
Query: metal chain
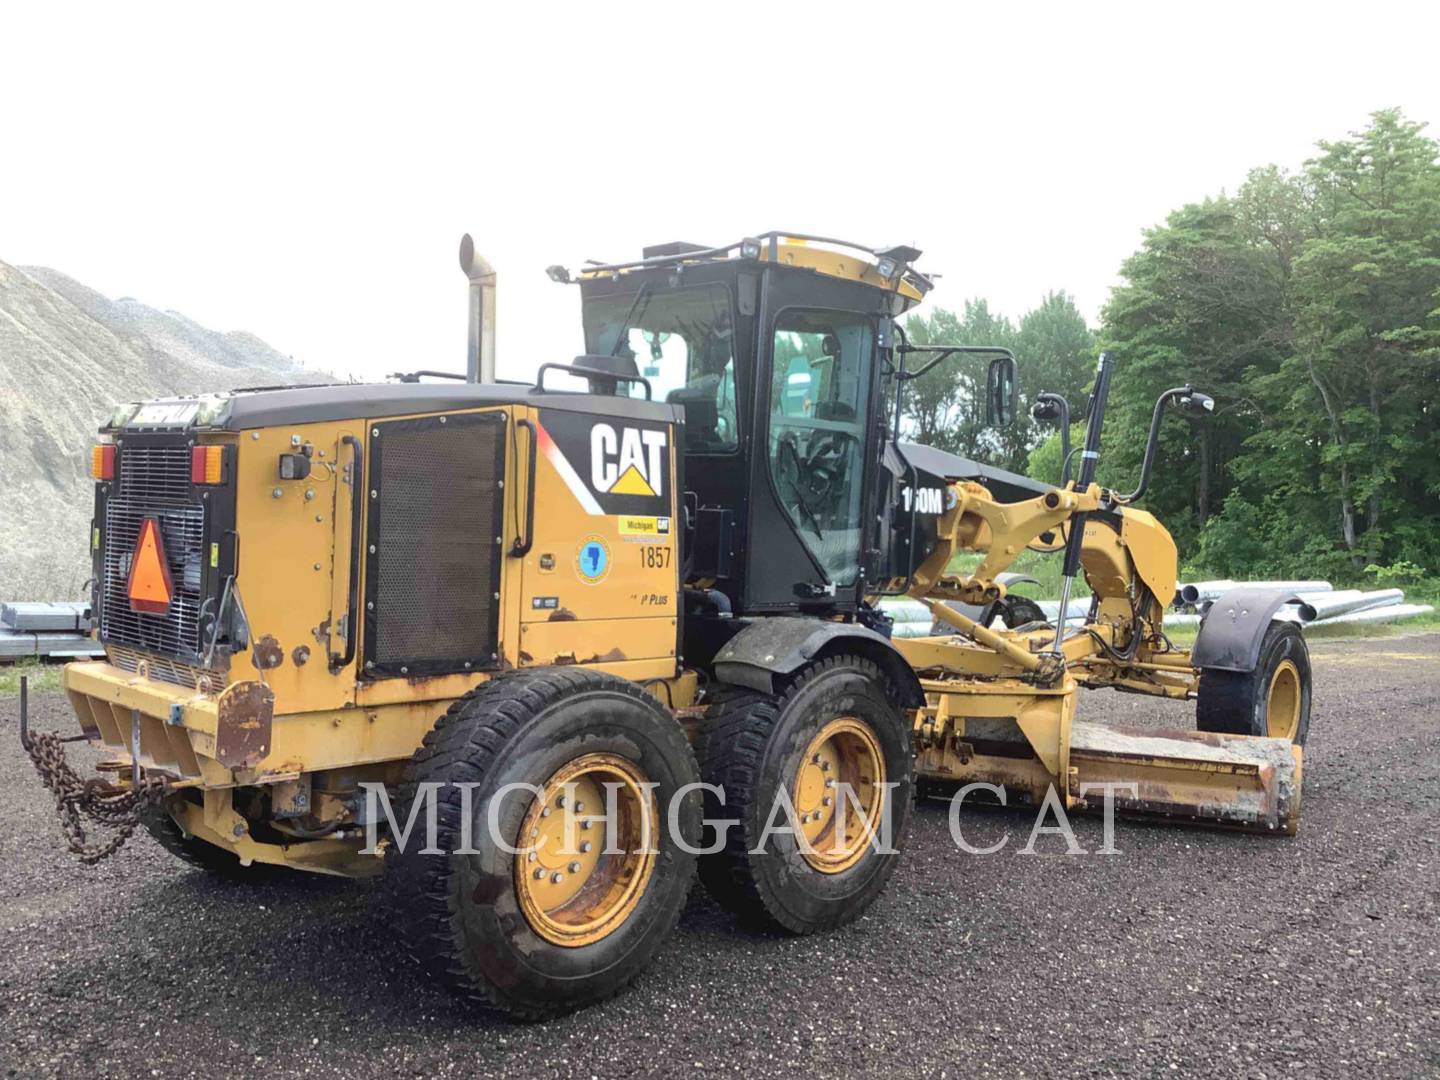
x: 99, y: 800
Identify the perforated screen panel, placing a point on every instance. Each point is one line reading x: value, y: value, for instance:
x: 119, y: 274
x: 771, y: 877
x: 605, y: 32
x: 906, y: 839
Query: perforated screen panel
x: 434, y: 564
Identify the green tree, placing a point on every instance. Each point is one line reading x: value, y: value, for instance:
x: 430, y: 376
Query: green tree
x: 945, y: 407
x: 1056, y: 350
x: 1307, y: 305
x: 1365, y: 290
x: 1198, y: 306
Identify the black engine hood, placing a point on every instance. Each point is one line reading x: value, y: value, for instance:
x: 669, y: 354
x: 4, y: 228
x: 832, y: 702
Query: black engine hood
x: 1006, y: 486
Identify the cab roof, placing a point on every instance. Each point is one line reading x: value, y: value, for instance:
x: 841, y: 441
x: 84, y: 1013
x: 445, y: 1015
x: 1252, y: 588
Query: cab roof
x: 888, y: 269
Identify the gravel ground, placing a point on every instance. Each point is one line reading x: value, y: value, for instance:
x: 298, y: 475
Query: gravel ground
x: 1203, y: 952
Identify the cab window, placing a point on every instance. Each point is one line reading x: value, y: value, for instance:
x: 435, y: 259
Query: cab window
x: 683, y: 342
x: 819, y: 396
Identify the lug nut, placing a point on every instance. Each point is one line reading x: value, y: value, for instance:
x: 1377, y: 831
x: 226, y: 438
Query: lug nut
x: 560, y: 801
x: 826, y: 801
x: 556, y: 878
x: 534, y: 855
x: 545, y: 812
x: 574, y: 867
x: 539, y: 872
x: 585, y: 847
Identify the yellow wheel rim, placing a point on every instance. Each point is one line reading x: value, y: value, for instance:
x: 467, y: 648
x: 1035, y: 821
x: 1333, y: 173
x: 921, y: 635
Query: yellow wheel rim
x: 1282, y: 703
x: 584, y: 861
x: 838, y: 794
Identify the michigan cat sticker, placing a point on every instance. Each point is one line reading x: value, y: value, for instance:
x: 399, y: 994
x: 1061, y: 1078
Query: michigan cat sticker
x: 637, y: 527
x: 612, y: 465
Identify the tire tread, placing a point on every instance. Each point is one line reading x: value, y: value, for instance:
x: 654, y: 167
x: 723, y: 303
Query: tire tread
x: 730, y: 748
x: 468, y: 738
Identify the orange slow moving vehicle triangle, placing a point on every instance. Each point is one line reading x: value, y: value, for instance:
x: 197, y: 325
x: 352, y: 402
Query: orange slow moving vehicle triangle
x: 150, y: 586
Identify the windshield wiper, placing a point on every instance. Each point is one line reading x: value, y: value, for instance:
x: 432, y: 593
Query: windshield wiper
x: 643, y: 292
x: 800, y: 500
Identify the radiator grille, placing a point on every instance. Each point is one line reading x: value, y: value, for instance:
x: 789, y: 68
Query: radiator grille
x: 165, y: 670
x: 156, y: 476
x: 436, y: 563
x: 154, y: 482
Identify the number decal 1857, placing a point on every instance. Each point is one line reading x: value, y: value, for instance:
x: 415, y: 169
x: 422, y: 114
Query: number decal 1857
x: 655, y: 556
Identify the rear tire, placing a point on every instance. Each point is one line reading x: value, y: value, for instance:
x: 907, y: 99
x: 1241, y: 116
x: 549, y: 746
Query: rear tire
x: 1272, y: 700
x: 753, y: 746
x: 474, y: 919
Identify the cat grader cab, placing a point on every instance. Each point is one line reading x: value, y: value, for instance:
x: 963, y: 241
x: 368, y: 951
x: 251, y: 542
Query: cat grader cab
x: 537, y: 652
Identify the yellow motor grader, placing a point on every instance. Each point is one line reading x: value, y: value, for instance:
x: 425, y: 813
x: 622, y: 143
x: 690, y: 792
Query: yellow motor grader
x: 537, y: 651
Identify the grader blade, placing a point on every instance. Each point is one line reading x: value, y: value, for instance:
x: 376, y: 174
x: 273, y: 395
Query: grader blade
x: 1233, y: 781
x: 1227, y: 781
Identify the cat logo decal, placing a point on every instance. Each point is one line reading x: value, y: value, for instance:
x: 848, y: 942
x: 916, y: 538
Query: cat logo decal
x: 611, y: 466
x: 627, y: 462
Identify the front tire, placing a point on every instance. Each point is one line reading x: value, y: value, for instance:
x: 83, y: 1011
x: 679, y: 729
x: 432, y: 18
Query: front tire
x: 1273, y: 700
x: 834, y: 728
x: 562, y: 921
x: 1018, y: 611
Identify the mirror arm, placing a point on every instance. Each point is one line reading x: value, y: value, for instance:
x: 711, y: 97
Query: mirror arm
x: 1063, y: 406
x: 947, y: 351
x: 1152, y: 442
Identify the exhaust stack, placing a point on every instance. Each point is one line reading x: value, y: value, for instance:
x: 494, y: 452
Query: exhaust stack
x: 480, y: 356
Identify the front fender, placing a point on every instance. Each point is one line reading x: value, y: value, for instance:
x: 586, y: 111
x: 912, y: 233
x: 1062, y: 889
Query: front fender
x: 1233, y: 628
x: 769, y: 650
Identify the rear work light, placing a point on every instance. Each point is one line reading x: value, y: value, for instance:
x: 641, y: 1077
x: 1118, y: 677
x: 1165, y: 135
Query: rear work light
x: 102, y: 462
x: 206, y: 464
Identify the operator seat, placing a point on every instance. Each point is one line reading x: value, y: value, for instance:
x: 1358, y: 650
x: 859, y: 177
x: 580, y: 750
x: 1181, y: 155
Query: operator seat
x: 700, y: 400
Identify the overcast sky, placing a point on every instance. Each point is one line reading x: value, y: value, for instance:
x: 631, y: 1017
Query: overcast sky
x: 304, y: 171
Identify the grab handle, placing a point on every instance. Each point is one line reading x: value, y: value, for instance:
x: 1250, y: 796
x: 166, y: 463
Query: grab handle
x: 519, y: 546
x: 352, y: 594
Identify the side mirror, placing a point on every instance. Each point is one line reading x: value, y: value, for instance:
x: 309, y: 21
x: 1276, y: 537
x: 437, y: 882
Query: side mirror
x: 1001, y: 392
x: 1049, y: 408
x: 1195, y: 404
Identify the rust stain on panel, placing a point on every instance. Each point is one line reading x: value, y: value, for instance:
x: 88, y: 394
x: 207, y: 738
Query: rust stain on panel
x: 244, y: 718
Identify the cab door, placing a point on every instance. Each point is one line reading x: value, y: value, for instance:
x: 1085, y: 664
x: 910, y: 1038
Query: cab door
x: 815, y: 432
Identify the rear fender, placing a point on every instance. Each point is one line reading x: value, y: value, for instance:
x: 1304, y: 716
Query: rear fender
x: 771, y: 649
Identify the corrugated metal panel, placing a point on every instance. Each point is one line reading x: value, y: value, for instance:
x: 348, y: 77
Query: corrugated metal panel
x: 73, y: 616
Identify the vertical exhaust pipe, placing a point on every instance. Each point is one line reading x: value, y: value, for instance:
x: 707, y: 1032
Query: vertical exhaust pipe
x: 480, y: 356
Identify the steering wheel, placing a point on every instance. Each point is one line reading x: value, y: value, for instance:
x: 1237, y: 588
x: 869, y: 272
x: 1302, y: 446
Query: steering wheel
x: 825, y: 464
